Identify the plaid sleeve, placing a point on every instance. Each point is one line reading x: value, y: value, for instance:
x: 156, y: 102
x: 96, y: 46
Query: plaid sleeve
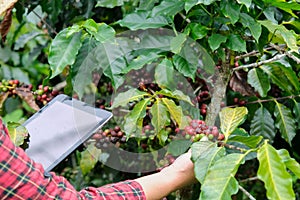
x: 21, y: 178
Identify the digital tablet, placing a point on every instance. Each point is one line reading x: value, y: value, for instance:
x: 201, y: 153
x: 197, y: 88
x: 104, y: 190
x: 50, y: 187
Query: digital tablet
x: 60, y: 127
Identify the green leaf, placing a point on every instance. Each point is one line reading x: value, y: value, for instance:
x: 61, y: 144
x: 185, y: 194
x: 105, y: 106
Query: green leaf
x: 191, y: 3
x: 204, y: 155
x: 230, y: 9
x: 250, y: 141
x: 176, y: 94
x: 63, y: 51
x: 174, y: 110
x: 285, y: 122
x: 296, y: 111
x: 104, y: 58
x: 282, y: 32
x: 184, y: 67
x: 122, y: 99
x: 259, y: 80
x: 231, y: 118
x: 140, y: 20
x: 286, y: 6
x: 89, y: 158
x: 140, y: 61
x: 236, y: 43
x: 263, y: 124
x: 197, y: 31
x: 135, y: 115
x: 178, y: 147
x: 215, y: 40
x: 164, y: 74
x: 282, y: 76
x: 160, y: 117
x: 13, y: 116
x: 253, y: 25
x: 278, y: 182
x: 147, y: 4
x: 102, y: 32
x: 247, y: 3
x: 219, y: 182
x: 289, y: 162
x: 109, y: 3
x: 168, y: 7
x: 178, y: 42
x: 17, y: 133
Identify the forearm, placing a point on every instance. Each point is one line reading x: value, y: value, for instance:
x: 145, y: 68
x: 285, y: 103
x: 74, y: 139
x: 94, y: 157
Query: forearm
x: 176, y: 176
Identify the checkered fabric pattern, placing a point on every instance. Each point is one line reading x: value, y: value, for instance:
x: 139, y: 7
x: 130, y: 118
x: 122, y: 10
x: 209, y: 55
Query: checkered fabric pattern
x: 21, y: 178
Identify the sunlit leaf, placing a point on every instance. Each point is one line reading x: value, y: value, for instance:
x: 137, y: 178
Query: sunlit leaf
x: 263, y: 124
x: 250, y: 141
x: 289, y: 162
x: 101, y: 31
x: 63, y: 51
x: 17, y: 133
x: 132, y: 118
x: 174, y: 110
x: 89, y: 158
x: 160, y: 116
x: 272, y: 171
x: 231, y: 118
x: 176, y: 94
x: 220, y: 182
x: 285, y: 122
x: 204, y: 155
x: 282, y: 32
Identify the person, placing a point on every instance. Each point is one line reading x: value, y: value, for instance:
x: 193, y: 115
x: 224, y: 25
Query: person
x: 22, y: 178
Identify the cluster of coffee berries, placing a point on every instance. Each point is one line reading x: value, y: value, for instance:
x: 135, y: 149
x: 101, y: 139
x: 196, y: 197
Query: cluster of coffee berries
x: 9, y: 86
x: 197, y: 130
x: 107, y: 136
x: 44, y: 94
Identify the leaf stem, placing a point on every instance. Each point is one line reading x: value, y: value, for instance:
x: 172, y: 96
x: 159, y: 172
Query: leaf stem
x: 246, y: 193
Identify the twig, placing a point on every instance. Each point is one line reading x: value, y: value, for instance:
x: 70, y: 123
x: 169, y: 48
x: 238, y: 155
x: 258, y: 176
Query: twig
x: 185, y: 18
x: 268, y: 100
x: 249, y: 179
x: 253, y: 65
x: 290, y: 55
x: 246, y: 193
x: 255, y: 53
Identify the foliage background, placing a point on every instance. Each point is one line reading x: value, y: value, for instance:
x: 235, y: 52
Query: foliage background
x: 255, y: 48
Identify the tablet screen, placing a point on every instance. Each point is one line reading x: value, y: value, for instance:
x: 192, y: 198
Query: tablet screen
x: 57, y: 131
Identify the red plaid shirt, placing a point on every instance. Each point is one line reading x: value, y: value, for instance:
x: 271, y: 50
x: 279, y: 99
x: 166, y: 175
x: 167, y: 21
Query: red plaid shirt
x: 21, y: 178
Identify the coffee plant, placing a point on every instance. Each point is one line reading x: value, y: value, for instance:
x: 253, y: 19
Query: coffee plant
x: 218, y: 77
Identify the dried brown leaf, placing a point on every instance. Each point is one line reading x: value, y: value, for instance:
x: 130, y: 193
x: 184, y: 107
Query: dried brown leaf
x: 26, y: 95
x: 238, y: 83
x: 3, y: 97
x: 5, y: 24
